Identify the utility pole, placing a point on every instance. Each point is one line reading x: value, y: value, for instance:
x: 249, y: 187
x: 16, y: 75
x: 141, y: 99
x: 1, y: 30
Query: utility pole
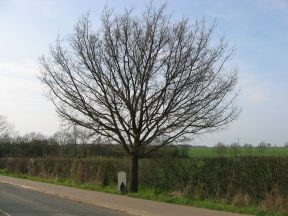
x: 238, y: 145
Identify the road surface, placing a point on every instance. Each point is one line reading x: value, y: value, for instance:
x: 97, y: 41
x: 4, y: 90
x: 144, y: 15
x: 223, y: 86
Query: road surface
x: 20, y: 201
x: 129, y: 205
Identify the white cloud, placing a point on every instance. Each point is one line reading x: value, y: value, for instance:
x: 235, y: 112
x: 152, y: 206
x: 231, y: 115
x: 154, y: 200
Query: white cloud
x: 281, y: 5
x: 257, y: 94
x: 255, y: 87
x: 44, y: 7
x: 23, y: 69
x: 22, y: 99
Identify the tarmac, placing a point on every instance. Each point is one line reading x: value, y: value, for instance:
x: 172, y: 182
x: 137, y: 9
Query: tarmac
x: 128, y: 205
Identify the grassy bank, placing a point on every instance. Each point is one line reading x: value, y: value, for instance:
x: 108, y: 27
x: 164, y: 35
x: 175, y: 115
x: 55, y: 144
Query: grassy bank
x: 152, y: 194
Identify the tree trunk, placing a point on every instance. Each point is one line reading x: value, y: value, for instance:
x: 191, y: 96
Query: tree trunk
x: 133, y: 184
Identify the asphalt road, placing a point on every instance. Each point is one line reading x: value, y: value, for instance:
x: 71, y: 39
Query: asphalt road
x: 28, y: 202
x: 20, y: 201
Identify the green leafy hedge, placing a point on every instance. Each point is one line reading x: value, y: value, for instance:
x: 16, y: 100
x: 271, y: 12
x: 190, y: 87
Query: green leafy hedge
x: 242, y: 180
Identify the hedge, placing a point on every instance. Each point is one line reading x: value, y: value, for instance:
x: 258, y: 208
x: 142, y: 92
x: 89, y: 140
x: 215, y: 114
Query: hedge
x: 244, y: 180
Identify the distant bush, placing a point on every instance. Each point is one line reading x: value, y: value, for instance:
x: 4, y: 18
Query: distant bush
x: 241, y: 181
x: 220, y: 149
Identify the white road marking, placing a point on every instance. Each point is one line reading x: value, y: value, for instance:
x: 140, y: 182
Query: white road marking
x: 17, y: 185
x: 5, y: 213
x: 26, y: 187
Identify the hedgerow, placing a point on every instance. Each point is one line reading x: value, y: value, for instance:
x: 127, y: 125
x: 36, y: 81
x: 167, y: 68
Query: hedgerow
x: 241, y: 181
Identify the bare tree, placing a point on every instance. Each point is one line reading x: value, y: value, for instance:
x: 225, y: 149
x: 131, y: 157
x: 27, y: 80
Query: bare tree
x: 34, y: 136
x: 78, y: 136
x: 220, y: 148
x: 5, y: 127
x: 75, y: 135
x: 262, y: 146
x: 72, y: 138
x: 83, y: 138
x: 61, y: 138
x: 142, y: 81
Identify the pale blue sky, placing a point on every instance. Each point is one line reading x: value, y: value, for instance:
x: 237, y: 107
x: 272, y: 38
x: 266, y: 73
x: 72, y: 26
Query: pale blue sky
x: 257, y: 28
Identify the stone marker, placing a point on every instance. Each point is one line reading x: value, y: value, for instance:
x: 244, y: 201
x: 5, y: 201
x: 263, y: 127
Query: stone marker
x: 122, y: 183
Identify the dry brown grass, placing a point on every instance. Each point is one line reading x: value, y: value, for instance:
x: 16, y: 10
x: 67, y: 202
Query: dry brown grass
x: 177, y: 194
x: 241, y: 199
x: 275, y: 200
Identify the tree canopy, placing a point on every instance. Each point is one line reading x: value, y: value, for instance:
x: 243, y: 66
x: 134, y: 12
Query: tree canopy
x: 142, y: 81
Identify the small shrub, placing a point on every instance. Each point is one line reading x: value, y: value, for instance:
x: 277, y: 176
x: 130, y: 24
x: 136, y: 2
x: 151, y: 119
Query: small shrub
x: 241, y: 199
x: 274, y: 200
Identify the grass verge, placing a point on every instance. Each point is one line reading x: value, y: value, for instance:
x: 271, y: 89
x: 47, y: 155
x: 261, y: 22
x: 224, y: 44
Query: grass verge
x: 152, y: 194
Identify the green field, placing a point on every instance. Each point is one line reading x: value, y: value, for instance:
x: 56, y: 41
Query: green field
x: 199, y: 152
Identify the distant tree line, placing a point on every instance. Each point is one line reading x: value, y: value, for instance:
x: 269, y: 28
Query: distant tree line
x: 71, y: 145
x: 234, y: 149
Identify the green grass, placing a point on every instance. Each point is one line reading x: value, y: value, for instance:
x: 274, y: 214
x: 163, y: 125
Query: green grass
x: 153, y: 194
x: 200, y: 152
x: 64, y: 182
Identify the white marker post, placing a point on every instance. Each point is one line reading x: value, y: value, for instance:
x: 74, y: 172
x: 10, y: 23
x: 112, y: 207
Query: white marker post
x: 122, y: 182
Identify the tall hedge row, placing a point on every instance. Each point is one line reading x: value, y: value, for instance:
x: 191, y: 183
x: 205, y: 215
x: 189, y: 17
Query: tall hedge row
x: 99, y: 171
x: 239, y: 180
x: 218, y: 177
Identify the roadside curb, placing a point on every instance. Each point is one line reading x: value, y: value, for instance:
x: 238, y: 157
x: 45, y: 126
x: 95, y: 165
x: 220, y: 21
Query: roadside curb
x: 77, y: 199
x: 128, y: 205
